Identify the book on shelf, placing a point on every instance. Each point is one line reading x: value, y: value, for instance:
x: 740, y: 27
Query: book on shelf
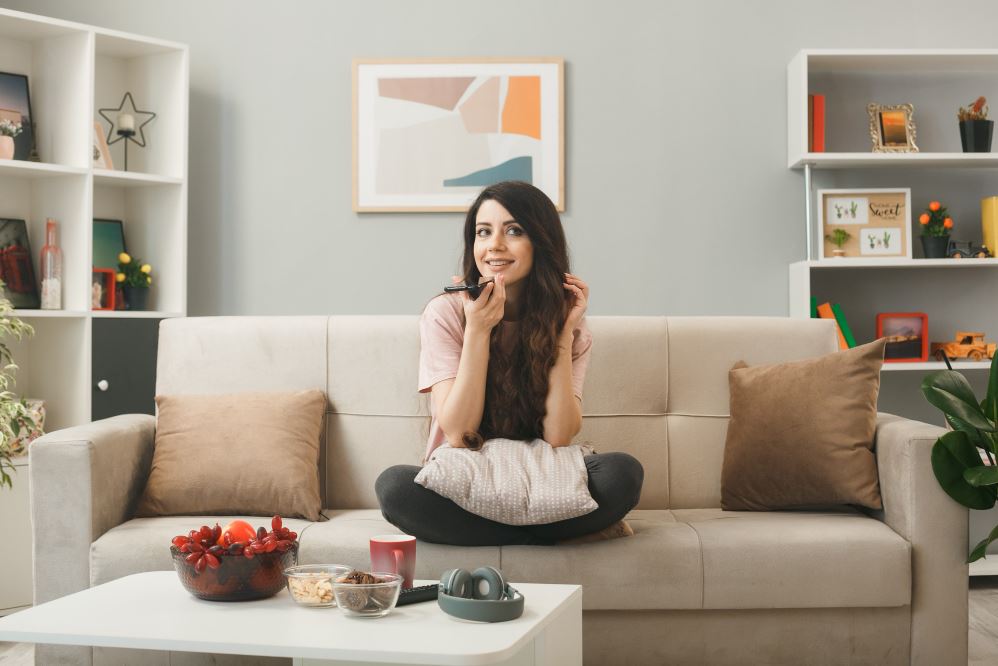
x: 825, y: 312
x: 816, y: 123
x: 814, y: 307
x: 840, y: 319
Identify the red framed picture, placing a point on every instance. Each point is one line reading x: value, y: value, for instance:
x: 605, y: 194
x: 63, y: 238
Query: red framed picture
x: 907, y: 336
x: 102, y: 289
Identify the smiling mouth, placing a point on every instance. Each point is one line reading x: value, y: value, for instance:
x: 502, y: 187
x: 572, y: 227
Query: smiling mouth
x: 495, y: 263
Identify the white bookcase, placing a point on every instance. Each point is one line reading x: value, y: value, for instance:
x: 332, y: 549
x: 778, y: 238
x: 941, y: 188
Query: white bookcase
x: 73, y: 70
x: 956, y: 294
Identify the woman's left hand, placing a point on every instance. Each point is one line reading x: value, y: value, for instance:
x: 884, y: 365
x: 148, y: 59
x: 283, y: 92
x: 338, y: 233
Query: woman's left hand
x: 580, y: 289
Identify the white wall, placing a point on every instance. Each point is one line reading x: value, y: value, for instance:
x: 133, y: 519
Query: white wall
x: 678, y: 198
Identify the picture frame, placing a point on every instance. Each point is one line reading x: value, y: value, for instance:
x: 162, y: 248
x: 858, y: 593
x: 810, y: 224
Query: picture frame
x: 103, y: 289
x: 101, y: 151
x: 907, y: 336
x: 877, y: 220
x: 430, y: 133
x: 15, y: 105
x: 892, y: 128
x: 108, y: 242
x: 16, y: 268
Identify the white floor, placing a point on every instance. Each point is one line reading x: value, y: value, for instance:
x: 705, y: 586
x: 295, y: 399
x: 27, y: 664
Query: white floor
x: 983, y: 638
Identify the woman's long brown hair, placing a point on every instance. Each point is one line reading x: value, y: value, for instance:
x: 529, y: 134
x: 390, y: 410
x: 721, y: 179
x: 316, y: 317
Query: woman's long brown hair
x: 516, y: 387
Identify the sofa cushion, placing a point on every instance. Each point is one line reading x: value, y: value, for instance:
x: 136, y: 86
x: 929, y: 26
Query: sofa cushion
x: 198, y: 438
x: 143, y: 544
x: 801, y: 433
x: 838, y: 557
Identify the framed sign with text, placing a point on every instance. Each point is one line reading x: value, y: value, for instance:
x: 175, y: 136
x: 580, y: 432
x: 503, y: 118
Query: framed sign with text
x: 864, y: 224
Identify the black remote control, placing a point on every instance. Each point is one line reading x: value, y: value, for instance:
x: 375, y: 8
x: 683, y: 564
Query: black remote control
x: 414, y: 595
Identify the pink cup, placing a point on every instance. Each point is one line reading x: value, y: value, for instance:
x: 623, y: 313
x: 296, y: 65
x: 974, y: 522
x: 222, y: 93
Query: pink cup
x: 395, y: 553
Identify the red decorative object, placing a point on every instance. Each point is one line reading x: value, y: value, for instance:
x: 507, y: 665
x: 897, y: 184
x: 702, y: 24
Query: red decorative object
x: 907, y: 336
x: 105, y: 276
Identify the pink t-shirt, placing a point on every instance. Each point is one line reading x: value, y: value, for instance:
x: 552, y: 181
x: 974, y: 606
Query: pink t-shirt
x: 441, y: 332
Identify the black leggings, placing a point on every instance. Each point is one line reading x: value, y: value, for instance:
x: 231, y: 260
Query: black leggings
x: 614, y: 482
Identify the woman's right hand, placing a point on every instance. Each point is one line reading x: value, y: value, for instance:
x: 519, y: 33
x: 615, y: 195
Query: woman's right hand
x: 485, y: 312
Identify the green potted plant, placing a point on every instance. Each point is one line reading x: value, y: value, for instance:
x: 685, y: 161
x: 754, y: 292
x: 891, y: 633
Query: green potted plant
x: 975, y: 128
x: 936, y: 225
x: 963, y: 459
x: 8, y: 130
x: 135, y: 279
x: 838, y: 238
x: 16, y: 417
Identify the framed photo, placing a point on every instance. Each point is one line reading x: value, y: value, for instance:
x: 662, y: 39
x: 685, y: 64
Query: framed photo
x: 430, y: 133
x: 907, y: 336
x: 864, y: 224
x: 101, y: 152
x: 109, y: 242
x: 16, y: 269
x: 15, y: 106
x: 102, y: 289
x: 892, y: 128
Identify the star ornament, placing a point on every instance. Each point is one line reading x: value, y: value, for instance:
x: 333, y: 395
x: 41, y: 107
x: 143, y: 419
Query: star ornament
x: 126, y: 132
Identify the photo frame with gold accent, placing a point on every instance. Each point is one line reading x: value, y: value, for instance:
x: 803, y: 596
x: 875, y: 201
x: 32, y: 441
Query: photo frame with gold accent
x: 892, y: 128
x: 877, y: 223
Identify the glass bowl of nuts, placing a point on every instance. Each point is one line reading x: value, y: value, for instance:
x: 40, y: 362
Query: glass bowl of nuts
x: 312, y: 584
x: 363, y: 594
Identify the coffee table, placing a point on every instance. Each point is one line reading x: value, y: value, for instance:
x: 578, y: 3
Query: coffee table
x: 152, y: 611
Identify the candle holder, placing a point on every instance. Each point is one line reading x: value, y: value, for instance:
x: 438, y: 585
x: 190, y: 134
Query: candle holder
x: 127, y: 134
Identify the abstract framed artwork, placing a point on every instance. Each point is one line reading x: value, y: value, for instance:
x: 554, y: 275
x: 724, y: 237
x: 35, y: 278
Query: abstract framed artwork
x: 430, y: 133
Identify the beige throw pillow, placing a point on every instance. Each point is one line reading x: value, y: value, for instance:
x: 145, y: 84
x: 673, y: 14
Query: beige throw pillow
x: 512, y: 481
x: 251, y: 454
x: 801, y: 433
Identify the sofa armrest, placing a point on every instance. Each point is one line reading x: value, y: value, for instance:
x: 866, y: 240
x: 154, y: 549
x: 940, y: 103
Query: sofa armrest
x: 83, y: 481
x: 936, y: 526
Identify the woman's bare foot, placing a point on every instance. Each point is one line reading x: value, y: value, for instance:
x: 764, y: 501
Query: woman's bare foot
x: 619, y: 529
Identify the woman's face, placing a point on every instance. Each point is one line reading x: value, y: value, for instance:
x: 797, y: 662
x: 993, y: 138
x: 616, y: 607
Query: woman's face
x: 501, y: 244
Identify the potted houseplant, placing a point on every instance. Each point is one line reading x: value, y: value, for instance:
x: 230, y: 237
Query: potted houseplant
x: 936, y: 225
x: 8, y: 130
x: 975, y: 128
x: 135, y: 279
x: 16, y: 417
x: 963, y: 459
x: 838, y: 238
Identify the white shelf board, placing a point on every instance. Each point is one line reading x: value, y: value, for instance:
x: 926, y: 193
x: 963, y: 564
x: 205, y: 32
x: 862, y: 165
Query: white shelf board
x: 25, y: 169
x: 899, y: 263
x: 29, y: 314
x: 132, y: 178
x: 134, y: 314
x: 888, y: 160
x: 985, y: 567
x: 901, y: 61
x: 938, y: 365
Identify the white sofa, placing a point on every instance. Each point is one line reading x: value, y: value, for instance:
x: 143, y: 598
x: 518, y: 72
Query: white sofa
x: 694, y: 585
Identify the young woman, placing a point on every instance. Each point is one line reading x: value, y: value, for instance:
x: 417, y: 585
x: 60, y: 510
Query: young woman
x: 510, y: 364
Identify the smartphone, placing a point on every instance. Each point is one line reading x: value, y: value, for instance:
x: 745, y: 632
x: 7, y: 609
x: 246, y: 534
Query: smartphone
x: 473, y: 289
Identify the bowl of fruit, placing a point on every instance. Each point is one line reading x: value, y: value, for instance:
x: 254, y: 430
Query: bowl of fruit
x: 234, y: 563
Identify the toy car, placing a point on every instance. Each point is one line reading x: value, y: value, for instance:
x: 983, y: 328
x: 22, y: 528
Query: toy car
x: 968, y: 344
x: 967, y: 250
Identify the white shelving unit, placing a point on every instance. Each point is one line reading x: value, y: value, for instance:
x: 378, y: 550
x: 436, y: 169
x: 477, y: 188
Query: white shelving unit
x: 73, y: 70
x: 936, y: 82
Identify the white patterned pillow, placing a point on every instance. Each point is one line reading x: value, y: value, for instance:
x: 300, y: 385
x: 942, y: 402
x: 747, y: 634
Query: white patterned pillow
x: 513, y: 482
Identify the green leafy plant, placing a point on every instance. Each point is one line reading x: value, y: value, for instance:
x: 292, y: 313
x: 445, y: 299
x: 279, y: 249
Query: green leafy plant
x: 9, y: 128
x: 935, y: 221
x: 963, y: 459
x: 15, y: 416
x: 838, y: 237
x: 132, y: 272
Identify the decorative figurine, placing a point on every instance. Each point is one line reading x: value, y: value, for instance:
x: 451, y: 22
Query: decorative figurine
x: 967, y: 344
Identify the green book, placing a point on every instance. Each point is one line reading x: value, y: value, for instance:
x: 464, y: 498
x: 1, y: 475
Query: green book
x: 814, y: 307
x: 840, y: 317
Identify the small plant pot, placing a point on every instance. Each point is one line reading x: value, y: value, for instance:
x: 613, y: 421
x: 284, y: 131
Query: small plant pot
x: 136, y: 298
x: 6, y: 147
x: 935, y: 247
x: 838, y: 253
x: 975, y: 135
